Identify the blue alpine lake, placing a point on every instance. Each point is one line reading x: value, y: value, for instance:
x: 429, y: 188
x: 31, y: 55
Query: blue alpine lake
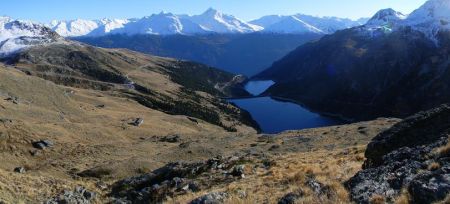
x: 274, y: 116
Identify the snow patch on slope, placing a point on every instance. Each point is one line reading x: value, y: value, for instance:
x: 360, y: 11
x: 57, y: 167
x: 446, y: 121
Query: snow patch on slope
x: 386, y: 18
x: 292, y: 24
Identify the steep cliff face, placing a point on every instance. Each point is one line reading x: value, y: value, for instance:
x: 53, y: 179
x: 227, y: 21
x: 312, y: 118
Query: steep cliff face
x: 412, y: 155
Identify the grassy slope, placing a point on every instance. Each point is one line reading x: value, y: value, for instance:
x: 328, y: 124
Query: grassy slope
x: 87, y: 136
x: 172, y: 86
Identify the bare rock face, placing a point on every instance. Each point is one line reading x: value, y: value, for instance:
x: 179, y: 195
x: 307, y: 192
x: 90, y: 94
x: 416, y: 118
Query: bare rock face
x: 420, y: 129
x: 406, y: 157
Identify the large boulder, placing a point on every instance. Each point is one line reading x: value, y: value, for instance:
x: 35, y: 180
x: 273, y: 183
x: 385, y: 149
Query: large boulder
x: 405, y: 157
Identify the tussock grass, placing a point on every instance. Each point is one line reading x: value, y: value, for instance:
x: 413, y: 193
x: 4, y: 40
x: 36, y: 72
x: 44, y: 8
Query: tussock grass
x: 444, y: 151
x: 290, y: 174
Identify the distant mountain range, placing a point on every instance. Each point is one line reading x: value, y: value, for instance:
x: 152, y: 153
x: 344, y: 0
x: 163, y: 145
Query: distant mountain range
x: 394, y: 65
x: 211, y: 21
x: 212, y: 38
x: 305, y: 23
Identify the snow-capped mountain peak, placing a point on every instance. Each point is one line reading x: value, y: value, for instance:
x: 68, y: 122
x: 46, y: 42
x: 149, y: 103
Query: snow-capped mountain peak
x: 16, y: 35
x: 73, y: 28
x: 386, y: 17
x: 324, y: 24
x: 112, y: 24
x: 160, y: 24
x: 431, y: 18
x: 211, y: 12
x: 432, y: 10
x: 215, y: 21
x: 210, y: 21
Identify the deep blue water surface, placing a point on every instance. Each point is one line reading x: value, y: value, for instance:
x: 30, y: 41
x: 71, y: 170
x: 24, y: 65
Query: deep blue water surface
x: 276, y: 116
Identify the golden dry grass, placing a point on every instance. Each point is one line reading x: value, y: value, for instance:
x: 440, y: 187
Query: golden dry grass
x: 377, y: 199
x: 434, y: 166
x: 290, y: 174
x: 444, y: 150
x: 404, y: 197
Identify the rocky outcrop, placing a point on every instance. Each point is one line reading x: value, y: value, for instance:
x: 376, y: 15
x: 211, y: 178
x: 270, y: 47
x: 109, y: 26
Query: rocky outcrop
x: 79, y: 195
x: 177, y: 179
x: 407, y: 156
x: 420, y: 129
x: 211, y: 198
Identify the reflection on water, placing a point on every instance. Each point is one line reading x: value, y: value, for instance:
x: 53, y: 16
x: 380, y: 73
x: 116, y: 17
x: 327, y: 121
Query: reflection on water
x: 258, y: 87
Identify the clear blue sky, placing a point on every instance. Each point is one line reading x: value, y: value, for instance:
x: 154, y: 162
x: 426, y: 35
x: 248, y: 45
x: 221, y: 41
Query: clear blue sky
x: 45, y: 10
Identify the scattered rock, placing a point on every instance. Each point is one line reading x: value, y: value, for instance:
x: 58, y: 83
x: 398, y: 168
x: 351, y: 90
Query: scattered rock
x: 5, y: 120
x: 3, y: 136
x: 193, y: 120
x: 101, y: 106
x: 269, y: 163
x: 14, y: 100
x: 318, y: 188
x: 194, y: 187
x: 20, y: 170
x: 239, y: 171
x: 78, y: 196
x: 43, y: 144
x: 274, y: 147
x: 35, y: 153
x: 211, y: 198
x: 96, y: 172
x: 170, y: 139
x: 291, y: 198
x: 184, y: 145
x: 138, y: 122
x: 101, y: 185
x: 362, y: 127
